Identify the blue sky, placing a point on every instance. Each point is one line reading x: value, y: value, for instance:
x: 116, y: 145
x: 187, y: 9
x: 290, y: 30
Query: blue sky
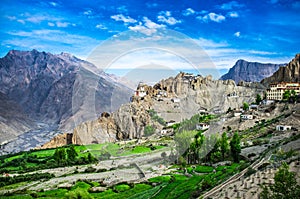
x: 264, y: 31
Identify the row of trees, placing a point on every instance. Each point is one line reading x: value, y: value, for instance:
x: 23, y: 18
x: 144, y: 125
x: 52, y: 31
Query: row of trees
x: 23, y: 178
x: 194, y: 147
x: 69, y: 156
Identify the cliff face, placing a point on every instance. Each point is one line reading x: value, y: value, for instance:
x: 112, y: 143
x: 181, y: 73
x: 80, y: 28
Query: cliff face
x: 250, y: 71
x: 288, y: 73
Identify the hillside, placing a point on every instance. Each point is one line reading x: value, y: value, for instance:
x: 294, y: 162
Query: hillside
x: 288, y: 73
x: 250, y: 71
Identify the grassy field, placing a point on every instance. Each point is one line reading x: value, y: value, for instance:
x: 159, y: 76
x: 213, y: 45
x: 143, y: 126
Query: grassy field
x: 172, y: 185
x: 35, y: 159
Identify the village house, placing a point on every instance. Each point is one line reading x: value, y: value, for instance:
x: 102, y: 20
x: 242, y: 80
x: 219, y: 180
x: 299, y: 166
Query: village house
x: 253, y: 106
x: 283, y: 128
x: 166, y: 131
x: 175, y: 100
x: 171, y: 123
x: 276, y: 91
x: 267, y: 102
x: 202, y: 126
x: 237, y: 113
x: 234, y: 94
x: 246, y: 117
x: 202, y: 110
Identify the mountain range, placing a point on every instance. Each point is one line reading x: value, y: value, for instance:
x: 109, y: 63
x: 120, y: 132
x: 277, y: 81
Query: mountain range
x: 41, y: 89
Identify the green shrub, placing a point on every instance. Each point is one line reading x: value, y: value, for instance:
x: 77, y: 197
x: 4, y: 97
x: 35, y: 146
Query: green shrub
x: 121, y: 188
x: 204, y: 169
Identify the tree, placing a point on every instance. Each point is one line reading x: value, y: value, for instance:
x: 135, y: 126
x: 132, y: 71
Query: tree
x: 258, y: 99
x: 60, y: 156
x: 285, y: 186
x: 71, y: 153
x: 91, y: 158
x: 149, y: 130
x: 224, y: 145
x: 246, y: 106
x: 235, y: 147
x: 183, y: 140
x: 286, y: 95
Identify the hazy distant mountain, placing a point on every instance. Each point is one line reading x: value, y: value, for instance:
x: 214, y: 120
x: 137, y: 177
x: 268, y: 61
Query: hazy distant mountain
x: 54, y: 89
x: 288, y: 73
x: 250, y: 71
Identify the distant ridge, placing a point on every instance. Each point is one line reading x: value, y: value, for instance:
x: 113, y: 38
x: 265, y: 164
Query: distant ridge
x: 250, y: 71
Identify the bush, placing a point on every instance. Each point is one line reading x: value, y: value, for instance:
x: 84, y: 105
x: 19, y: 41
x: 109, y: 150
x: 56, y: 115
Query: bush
x: 121, y: 187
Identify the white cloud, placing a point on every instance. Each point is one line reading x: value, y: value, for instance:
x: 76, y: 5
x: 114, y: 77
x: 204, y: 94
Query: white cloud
x: 165, y: 17
x: 212, y: 17
x: 11, y: 18
x: 231, y: 5
x: 51, y: 24
x: 146, y: 27
x: 21, y: 21
x: 53, y: 41
x: 53, y: 3
x: 150, y: 24
x: 62, y: 24
x: 125, y: 19
x: 101, y: 26
x: 188, y: 11
x: 208, y: 43
x: 36, y: 19
x: 237, y: 34
x: 88, y: 12
x: 233, y: 14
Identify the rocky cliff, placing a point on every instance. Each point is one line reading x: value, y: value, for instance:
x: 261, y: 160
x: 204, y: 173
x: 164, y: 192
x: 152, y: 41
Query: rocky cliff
x: 250, y: 71
x: 288, y: 73
x: 175, y: 98
x: 54, y: 89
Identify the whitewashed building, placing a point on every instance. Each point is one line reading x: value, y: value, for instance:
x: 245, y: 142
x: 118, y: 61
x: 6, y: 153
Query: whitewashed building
x: 247, y: 117
x: 202, y: 126
x: 283, y: 128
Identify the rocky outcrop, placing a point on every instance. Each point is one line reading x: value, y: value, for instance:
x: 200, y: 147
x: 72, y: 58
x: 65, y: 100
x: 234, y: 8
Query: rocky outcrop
x: 57, y: 141
x: 288, y: 73
x: 250, y: 71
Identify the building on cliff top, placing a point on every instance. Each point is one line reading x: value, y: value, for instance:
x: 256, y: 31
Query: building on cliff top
x: 202, y: 126
x: 276, y: 91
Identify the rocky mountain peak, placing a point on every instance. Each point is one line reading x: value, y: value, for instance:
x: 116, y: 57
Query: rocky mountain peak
x: 250, y: 71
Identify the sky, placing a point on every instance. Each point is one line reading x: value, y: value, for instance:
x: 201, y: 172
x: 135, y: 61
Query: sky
x: 254, y: 30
